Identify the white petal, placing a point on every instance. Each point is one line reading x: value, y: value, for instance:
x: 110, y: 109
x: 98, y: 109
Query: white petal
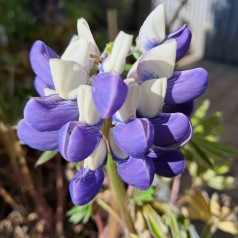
x: 87, y: 110
x: 79, y: 50
x: 115, y: 149
x: 85, y: 33
x: 128, y: 109
x: 158, y: 62
x: 49, y: 91
x: 96, y: 159
x: 84, y: 30
x: 67, y: 77
x: 153, y: 29
x: 152, y: 97
x: 117, y: 59
x: 133, y: 70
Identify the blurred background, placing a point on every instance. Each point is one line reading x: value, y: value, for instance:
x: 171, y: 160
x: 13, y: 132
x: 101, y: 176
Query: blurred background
x: 214, y: 25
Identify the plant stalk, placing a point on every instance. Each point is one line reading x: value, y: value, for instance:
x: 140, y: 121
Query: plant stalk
x: 117, y: 186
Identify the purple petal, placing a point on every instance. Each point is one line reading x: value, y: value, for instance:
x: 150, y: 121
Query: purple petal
x: 47, y: 140
x: 77, y: 141
x: 40, y: 55
x: 183, y: 38
x: 185, y: 86
x: 169, y: 163
x: 185, y: 108
x: 40, y: 85
x: 171, y: 130
x: 85, y: 185
x: 109, y: 93
x: 50, y: 113
x: 138, y: 172
x: 135, y: 137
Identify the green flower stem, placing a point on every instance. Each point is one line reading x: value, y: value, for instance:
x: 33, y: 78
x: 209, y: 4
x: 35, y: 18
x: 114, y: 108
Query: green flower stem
x: 117, y: 186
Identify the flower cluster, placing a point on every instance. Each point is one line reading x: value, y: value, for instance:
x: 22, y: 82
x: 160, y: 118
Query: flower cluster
x: 149, y: 109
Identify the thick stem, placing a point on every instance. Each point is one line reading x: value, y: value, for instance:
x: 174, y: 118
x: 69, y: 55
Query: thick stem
x: 119, y: 193
x: 117, y: 186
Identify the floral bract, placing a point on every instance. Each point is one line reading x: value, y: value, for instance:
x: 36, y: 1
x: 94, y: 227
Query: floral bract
x: 150, y: 108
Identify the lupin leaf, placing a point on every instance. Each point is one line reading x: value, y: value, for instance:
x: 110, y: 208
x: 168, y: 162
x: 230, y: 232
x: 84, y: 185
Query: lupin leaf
x: 200, y: 113
x: 142, y: 197
x: 216, y: 148
x: 80, y: 213
x: 45, y: 157
x: 157, y: 228
x: 200, y: 152
x: 172, y: 222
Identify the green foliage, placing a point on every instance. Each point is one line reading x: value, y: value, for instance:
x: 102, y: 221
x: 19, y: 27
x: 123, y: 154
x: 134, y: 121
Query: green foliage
x: 141, y: 197
x: 209, y: 159
x: 80, y: 213
x: 45, y: 157
x: 17, y: 19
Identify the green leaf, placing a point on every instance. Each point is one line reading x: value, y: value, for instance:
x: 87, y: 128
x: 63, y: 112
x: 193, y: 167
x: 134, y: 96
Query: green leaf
x: 154, y: 222
x: 221, y: 182
x: 171, y: 221
x: 201, y: 153
x: 216, y: 147
x: 45, y: 157
x: 200, y: 113
x: 80, y: 213
x: 207, y: 231
x: 141, y: 197
x: 211, y: 125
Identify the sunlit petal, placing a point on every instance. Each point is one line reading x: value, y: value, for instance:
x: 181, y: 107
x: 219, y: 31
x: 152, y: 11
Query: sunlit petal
x: 152, y: 97
x: 187, y: 85
x: 152, y: 32
x: 67, y: 77
x: 158, y: 62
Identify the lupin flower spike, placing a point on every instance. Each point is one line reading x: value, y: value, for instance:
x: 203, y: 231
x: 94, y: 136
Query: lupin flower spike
x: 149, y: 109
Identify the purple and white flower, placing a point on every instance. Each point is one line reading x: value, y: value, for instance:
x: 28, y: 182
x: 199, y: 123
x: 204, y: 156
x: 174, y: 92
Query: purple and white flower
x: 150, y: 109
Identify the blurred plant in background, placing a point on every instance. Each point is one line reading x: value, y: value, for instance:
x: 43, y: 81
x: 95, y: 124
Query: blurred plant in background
x: 36, y: 198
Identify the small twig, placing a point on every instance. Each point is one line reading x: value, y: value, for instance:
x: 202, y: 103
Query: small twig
x: 175, y: 188
x: 60, y: 198
x: 9, y: 199
x: 112, y: 24
x: 99, y: 223
x: 8, y: 176
x: 16, y: 155
x: 130, y: 191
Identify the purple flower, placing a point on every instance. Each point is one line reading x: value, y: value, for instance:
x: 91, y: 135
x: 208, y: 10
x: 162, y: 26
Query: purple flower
x: 150, y: 108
